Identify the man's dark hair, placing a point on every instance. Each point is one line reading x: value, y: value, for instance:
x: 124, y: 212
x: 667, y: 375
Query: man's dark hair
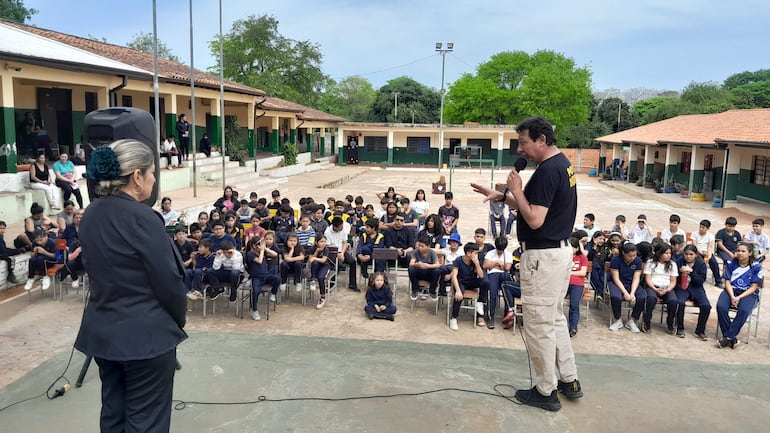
x: 359, y: 200
x: 373, y: 223
x: 448, y: 195
x: 262, y: 200
x: 480, y: 231
x: 243, y: 202
x: 590, y: 216
x: 206, y: 243
x: 226, y: 245
x: 218, y: 223
x: 676, y: 240
x: 706, y: 223
x: 537, y: 126
x: 758, y: 221
x: 194, y: 227
x: 470, y: 247
x: 2, y: 224
x: 731, y: 221
x: 337, y: 221
x: 674, y: 218
x: 178, y: 230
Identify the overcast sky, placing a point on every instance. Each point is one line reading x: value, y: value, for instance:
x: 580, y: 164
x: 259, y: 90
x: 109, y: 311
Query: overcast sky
x: 660, y: 44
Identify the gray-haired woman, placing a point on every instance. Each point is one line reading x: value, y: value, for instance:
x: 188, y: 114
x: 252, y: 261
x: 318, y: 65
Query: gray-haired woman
x: 136, y: 311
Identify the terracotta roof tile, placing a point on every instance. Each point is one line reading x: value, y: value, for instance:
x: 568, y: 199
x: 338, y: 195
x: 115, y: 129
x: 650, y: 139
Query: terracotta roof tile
x: 303, y: 112
x: 171, y: 71
x: 750, y: 126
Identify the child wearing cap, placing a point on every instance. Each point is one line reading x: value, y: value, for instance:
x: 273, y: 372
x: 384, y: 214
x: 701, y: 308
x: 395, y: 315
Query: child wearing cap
x: 641, y: 232
x: 276, y: 203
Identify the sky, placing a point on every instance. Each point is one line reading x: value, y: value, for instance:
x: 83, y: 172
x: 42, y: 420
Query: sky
x: 657, y: 44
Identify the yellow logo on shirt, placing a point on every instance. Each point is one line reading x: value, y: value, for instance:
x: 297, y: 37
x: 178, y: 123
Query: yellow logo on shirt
x: 571, y: 175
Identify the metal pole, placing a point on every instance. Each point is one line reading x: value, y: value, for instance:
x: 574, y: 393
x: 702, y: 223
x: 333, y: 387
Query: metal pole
x: 222, y: 93
x: 192, y: 104
x: 395, y: 114
x: 155, y: 90
x: 441, y: 112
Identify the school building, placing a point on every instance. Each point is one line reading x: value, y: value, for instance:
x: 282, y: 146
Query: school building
x: 725, y: 155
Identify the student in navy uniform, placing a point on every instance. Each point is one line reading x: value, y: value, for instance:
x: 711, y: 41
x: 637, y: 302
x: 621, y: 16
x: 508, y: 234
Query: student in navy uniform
x: 43, y: 253
x: 218, y: 236
x: 291, y: 264
x: 379, y: 298
x: 283, y: 224
x: 228, y: 267
x: 257, y: 264
x: 467, y: 275
x: 692, y: 274
x: 401, y: 239
x: 133, y: 320
x: 727, y: 240
x: 6, y: 253
x: 184, y: 247
x: 201, y: 272
x: 497, y: 264
x: 276, y: 203
x: 319, y: 263
x: 367, y: 242
x: 624, y: 281
x: 742, y: 280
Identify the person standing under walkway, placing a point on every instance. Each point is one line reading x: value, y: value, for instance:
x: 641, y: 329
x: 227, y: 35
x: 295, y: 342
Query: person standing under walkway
x: 546, y: 214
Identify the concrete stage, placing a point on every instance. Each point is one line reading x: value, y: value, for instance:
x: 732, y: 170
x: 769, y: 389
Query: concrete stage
x: 622, y: 394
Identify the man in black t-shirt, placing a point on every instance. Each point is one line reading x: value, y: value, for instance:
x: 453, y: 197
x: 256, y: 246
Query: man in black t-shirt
x: 546, y: 214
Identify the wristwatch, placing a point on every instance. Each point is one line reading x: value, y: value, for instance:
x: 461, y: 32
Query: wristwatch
x: 505, y: 194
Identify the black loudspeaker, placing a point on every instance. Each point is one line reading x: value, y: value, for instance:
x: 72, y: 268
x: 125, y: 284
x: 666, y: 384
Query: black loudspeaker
x: 116, y: 123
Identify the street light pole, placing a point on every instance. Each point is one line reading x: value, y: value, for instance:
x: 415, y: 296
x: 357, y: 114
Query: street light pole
x: 395, y: 110
x: 442, y: 51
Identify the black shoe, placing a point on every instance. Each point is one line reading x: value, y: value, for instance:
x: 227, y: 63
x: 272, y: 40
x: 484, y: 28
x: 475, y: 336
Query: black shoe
x: 354, y: 288
x: 670, y: 329
x: 734, y: 342
x: 724, y: 342
x: 491, y: 323
x: 702, y: 336
x: 572, y: 333
x: 532, y: 397
x: 369, y: 315
x: 571, y: 390
x: 389, y: 317
x: 413, y: 295
x: 680, y: 333
x: 646, y: 327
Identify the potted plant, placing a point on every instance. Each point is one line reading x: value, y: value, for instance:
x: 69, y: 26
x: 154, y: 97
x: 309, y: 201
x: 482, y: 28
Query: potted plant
x: 670, y: 186
x: 697, y: 194
x: 633, y: 177
x: 682, y: 189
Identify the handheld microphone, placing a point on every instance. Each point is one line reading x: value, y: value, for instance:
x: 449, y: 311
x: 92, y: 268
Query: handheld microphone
x: 520, y: 164
x: 60, y: 392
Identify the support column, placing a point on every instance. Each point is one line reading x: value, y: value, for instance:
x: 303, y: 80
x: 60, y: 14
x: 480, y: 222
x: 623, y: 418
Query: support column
x: 78, y: 115
x: 733, y: 156
x: 216, y: 125
x: 668, y: 171
x: 697, y: 163
x: 171, y: 119
x: 633, y: 157
x: 103, y: 97
x: 500, y: 144
x: 602, y: 157
x: 390, y: 148
x: 340, y: 145
x: 250, y: 117
x: 649, y: 163
x: 333, y: 146
x: 274, y: 136
x: 309, y: 141
x: 322, y: 141
x: 7, y: 126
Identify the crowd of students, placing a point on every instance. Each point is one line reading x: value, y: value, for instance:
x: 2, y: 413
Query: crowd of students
x: 642, y: 267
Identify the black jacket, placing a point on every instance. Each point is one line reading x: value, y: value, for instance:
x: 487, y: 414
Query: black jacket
x: 137, y: 305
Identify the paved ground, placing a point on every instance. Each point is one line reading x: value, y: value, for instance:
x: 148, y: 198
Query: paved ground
x: 337, y: 352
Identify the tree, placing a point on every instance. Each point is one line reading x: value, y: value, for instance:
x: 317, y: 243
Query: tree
x: 707, y: 97
x: 257, y: 55
x: 144, y: 42
x: 415, y: 100
x: 660, y: 108
x: 750, y: 89
x: 515, y: 85
x: 616, y: 114
x: 351, y: 98
x: 14, y: 10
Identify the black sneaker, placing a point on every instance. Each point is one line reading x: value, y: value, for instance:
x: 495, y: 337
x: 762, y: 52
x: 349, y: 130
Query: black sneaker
x: 491, y: 323
x: 369, y: 315
x: 571, y: 390
x: 354, y: 288
x: 572, y: 333
x: 702, y: 336
x: 734, y: 342
x: 413, y: 295
x: 671, y: 330
x: 680, y: 333
x: 532, y: 397
x: 724, y: 342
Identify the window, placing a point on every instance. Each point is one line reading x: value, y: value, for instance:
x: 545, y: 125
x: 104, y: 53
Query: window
x: 91, y: 102
x: 127, y: 100
x: 513, y: 147
x: 684, y: 166
x: 418, y: 144
x: 760, y: 174
x: 376, y: 144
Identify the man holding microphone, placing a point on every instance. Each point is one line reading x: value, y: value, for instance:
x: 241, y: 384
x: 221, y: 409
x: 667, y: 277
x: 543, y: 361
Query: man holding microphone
x: 546, y: 214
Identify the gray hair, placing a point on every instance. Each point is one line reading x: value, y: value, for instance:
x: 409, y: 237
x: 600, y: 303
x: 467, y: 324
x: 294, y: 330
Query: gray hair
x: 132, y: 155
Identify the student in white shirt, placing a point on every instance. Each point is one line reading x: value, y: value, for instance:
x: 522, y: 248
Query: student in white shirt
x: 673, y: 229
x: 168, y: 149
x: 758, y: 238
x: 641, y: 231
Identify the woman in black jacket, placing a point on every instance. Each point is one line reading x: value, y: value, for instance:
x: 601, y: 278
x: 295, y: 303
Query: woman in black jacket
x: 133, y: 321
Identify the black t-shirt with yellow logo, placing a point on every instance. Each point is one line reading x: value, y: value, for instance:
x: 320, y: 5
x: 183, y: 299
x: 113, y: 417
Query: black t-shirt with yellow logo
x: 552, y: 185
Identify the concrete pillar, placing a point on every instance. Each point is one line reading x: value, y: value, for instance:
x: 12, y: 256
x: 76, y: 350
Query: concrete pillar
x: 309, y: 140
x: 649, y: 163
x: 696, y: 167
x: 633, y: 156
x: 734, y: 155
x: 500, y: 144
x: 103, y: 97
x: 274, y: 136
x: 602, y: 157
x: 668, y: 171
x: 390, y: 147
x: 322, y: 141
x: 215, y: 135
x: 340, y: 146
x: 250, y: 121
x: 7, y: 126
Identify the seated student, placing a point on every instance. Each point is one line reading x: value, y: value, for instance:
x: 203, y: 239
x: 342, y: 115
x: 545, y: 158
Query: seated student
x: 497, y: 263
x: 272, y: 252
x: 214, y: 216
x: 170, y: 216
x: 263, y: 213
x: 169, y: 150
x: 43, y: 254
x: 203, y: 222
x: 6, y: 253
x: 391, y: 212
x: 496, y: 216
x: 400, y: 238
x: 703, y: 239
x: 293, y: 259
x: 283, y: 224
x: 64, y: 217
x: 673, y: 229
x: 244, y: 211
x: 228, y: 267
x: 742, y: 280
x: 620, y: 227
x: 380, y: 213
x: 511, y: 289
x: 577, y: 281
x: 660, y: 275
x: 449, y: 214
x: 41, y: 178
x: 276, y: 203
x: 625, y: 272
x: 368, y: 241
x: 727, y: 240
x: 320, y: 265
x: 758, y: 238
x: 202, y: 271
x: 358, y: 205
x: 304, y: 232
x: 259, y: 272
x: 598, y: 254
x: 588, y: 225
x: 466, y: 274
x: 692, y: 271
x: 411, y: 218
x: 184, y: 247
x: 233, y: 229
x: 677, y: 247
x: 432, y: 231
x: 510, y: 222
x: 196, y: 234
x: 644, y: 251
x: 228, y: 201
x: 218, y: 237
x: 453, y: 250
x: 424, y: 266
x: 253, y: 200
x: 74, y: 265
x: 641, y: 231
x: 480, y: 236
x: 254, y: 231
x: 329, y: 207
x: 379, y: 298
x: 317, y: 220
x: 337, y: 236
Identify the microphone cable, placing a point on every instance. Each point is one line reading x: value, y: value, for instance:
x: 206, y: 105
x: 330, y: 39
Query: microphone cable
x: 57, y: 393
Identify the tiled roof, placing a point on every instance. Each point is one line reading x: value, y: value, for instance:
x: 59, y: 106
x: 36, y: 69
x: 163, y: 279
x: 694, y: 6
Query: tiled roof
x: 170, y: 71
x: 303, y: 112
x: 747, y: 126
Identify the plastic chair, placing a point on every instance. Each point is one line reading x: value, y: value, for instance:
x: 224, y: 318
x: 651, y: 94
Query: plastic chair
x: 753, y: 316
x: 388, y: 255
x: 52, y: 269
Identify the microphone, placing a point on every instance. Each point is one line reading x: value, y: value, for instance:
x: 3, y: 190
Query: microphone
x: 520, y: 164
x: 60, y: 392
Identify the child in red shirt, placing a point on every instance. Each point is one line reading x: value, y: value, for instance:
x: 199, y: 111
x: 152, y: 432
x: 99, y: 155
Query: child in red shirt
x: 577, y: 281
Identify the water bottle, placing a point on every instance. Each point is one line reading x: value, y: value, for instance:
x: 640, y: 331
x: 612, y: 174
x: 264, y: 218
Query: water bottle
x: 684, y: 282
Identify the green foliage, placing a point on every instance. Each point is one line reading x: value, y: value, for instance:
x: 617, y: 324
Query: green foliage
x: 413, y: 98
x: 144, y: 42
x: 290, y: 153
x: 513, y: 85
x: 750, y: 89
x: 257, y: 55
x: 235, y: 145
x: 351, y: 98
x: 607, y: 113
x: 14, y: 10
x: 707, y: 98
x: 583, y: 135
